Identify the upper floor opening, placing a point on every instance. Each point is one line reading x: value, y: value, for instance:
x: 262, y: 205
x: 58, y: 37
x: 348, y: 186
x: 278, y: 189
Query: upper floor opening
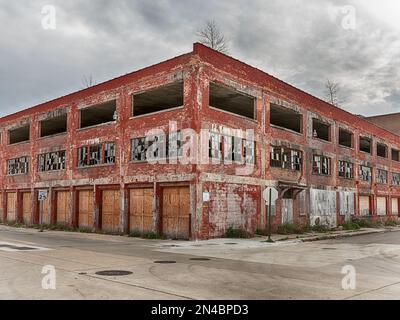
x: 21, y: 134
x: 285, y: 118
x: 98, y: 114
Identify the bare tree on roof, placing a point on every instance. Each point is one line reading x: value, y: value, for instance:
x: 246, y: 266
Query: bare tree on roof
x: 333, y: 93
x: 88, y: 81
x: 211, y: 36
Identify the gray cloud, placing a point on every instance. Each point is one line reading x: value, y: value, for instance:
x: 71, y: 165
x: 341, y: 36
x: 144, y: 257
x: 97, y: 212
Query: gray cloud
x: 301, y: 42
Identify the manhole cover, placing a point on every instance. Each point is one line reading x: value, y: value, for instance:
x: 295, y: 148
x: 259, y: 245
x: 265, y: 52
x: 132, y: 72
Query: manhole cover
x: 113, y: 273
x: 199, y: 259
x: 230, y: 243
x: 165, y: 261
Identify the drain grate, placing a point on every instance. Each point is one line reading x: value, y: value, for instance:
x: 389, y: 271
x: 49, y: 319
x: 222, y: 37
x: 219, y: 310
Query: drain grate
x: 200, y: 259
x: 165, y: 261
x: 230, y: 243
x: 113, y: 273
x: 9, y: 246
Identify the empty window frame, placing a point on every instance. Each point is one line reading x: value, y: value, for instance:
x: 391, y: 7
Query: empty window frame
x: 230, y: 100
x: 395, y: 155
x: 285, y: 158
x: 285, y: 118
x: 98, y: 114
x: 345, y: 138
x: 18, y: 135
x: 365, y: 173
x: 238, y: 150
x: 96, y: 154
x: 345, y: 169
x: 215, y: 146
x: 51, y: 161
x: 321, y: 165
x: 149, y: 148
x: 321, y: 130
x: 175, y: 145
x: 18, y: 166
x: 365, y: 144
x: 159, y: 99
x: 52, y: 126
x: 381, y: 176
x: 381, y: 150
x: 395, y: 179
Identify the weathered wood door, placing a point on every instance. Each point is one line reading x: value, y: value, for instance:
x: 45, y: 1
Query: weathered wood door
x: 86, y: 208
x: 381, y: 206
x: 62, y: 208
x: 287, y: 211
x: 395, y: 206
x: 27, y: 207
x: 110, y: 210
x: 175, y: 212
x: 141, y: 210
x: 11, y: 206
x: 364, y: 206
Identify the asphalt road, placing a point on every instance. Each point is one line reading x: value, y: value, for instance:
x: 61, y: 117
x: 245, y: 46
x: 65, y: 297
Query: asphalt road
x: 215, y: 269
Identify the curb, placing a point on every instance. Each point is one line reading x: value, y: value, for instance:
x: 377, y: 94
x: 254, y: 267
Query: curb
x: 344, y: 235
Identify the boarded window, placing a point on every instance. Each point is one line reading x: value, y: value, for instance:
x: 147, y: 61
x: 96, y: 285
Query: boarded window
x: 98, y: 114
x: 96, y: 154
x: 321, y: 130
x: 395, y: 155
x: 285, y: 158
x: 19, y: 135
x: 346, y: 203
x: 53, y: 126
x: 365, y: 209
x: 365, y: 173
x: 51, y: 161
x: 231, y: 100
x: 365, y: 144
x: 395, y: 206
x: 321, y: 165
x: 381, y: 206
x: 18, y: 166
x: 345, y: 169
x: 285, y: 118
x: 160, y: 99
x: 381, y: 150
x: 381, y: 176
x: 345, y: 138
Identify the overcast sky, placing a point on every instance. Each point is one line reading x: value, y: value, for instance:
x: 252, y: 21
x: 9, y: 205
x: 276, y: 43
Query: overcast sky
x: 302, y: 42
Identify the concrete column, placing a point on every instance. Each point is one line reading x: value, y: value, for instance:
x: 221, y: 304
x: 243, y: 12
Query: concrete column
x: 97, y: 208
x: 124, y: 209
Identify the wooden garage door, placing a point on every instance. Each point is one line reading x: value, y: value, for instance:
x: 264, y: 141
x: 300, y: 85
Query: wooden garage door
x: 364, y: 206
x: 26, y: 207
x: 381, y: 205
x: 86, y: 208
x: 141, y: 210
x: 175, y: 212
x: 110, y: 210
x: 11, y: 206
x: 63, y: 201
x: 395, y: 206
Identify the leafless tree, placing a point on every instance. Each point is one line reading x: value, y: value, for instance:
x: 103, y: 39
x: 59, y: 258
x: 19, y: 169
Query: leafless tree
x: 88, y: 81
x: 211, y: 36
x: 332, y: 93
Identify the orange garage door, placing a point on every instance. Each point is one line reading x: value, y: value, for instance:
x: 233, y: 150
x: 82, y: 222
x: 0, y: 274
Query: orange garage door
x: 26, y: 207
x: 63, y: 201
x: 86, y: 208
x: 141, y: 209
x: 110, y: 210
x: 11, y: 206
x: 175, y: 212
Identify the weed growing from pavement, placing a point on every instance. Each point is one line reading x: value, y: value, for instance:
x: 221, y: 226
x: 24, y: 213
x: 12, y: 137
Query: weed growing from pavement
x: 237, y: 233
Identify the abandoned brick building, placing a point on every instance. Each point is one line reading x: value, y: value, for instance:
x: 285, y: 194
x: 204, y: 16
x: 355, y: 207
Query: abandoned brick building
x: 86, y: 154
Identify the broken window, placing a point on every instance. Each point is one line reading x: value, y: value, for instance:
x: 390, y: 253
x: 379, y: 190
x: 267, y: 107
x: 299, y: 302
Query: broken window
x: 345, y: 169
x: 19, y: 135
x: 345, y: 138
x: 214, y: 146
x: 365, y: 144
x: 229, y: 99
x: 52, y: 161
x: 381, y: 176
x: 285, y: 158
x: 395, y: 155
x: 365, y: 173
x: 321, y: 165
x: 53, y: 126
x: 381, y: 150
x: 98, y: 114
x: 18, y: 166
x: 159, y: 99
x: 93, y: 155
x: 396, y: 179
x: 149, y: 148
x: 321, y: 130
x: 249, y: 151
x: 285, y: 118
x: 233, y: 149
x: 175, y: 142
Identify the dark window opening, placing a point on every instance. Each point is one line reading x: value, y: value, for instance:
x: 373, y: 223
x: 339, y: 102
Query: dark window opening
x: 321, y: 130
x: 345, y: 138
x: 52, y: 161
x: 96, y: 154
x: 20, y: 134
x: 285, y: 118
x: 98, y: 114
x: 365, y: 145
x: 228, y: 99
x: 285, y: 158
x: 53, y: 126
x: 381, y: 150
x: 162, y: 98
x: 395, y: 155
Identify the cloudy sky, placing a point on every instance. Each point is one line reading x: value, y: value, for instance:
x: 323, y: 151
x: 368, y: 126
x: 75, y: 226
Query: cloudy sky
x: 303, y: 42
